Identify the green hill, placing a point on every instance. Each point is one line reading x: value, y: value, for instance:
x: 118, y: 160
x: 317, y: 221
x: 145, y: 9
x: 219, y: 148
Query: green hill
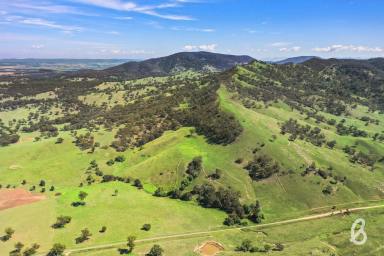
x: 196, y: 152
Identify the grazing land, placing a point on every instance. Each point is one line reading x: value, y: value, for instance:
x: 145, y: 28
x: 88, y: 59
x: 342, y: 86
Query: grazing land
x: 198, y: 162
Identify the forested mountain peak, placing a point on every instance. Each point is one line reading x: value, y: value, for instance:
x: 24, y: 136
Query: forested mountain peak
x: 196, y: 61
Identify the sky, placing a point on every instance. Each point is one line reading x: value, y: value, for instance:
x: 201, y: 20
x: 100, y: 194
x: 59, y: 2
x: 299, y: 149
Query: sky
x: 141, y: 29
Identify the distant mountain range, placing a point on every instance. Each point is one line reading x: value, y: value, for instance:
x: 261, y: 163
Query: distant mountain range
x: 296, y: 60
x: 196, y: 61
x: 163, y: 66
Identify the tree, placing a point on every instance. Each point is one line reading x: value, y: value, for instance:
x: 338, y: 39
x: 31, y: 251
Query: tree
x: 262, y: 167
x: 216, y: 175
x: 194, y: 167
x: 85, y: 234
x: 59, y: 140
x: 137, y: 183
x: 82, y: 195
x: 120, y: 159
x: 57, y: 250
x: 331, y: 144
x: 246, y: 246
x: 156, y: 250
x: 131, y: 243
x: 103, y: 229
x: 110, y: 162
x: 146, y: 227
x: 256, y: 216
x: 61, y: 221
x: 32, y: 250
x: 328, y: 190
x: 19, y: 246
x: 279, y: 247
x: 8, y: 234
x: 17, y: 250
x: 42, y: 183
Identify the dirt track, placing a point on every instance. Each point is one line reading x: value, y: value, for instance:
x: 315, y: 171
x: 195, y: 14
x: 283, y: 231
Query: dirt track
x: 204, y: 233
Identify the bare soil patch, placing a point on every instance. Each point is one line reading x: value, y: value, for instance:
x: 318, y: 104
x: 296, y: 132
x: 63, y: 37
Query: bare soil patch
x: 14, y: 167
x: 210, y: 248
x: 10, y: 198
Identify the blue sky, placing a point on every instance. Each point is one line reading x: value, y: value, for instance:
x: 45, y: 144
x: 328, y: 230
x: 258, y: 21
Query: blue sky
x: 264, y: 29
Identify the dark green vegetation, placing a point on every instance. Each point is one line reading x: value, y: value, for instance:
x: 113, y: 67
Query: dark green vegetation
x: 184, y: 61
x: 191, y: 151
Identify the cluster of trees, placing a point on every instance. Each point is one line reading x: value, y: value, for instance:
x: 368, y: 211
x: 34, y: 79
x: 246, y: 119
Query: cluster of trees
x: 6, y: 138
x: 82, y: 195
x: 262, y: 167
x: 252, y: 212
x: 142, y: 118
x: 369, y: 120
x: 7, y: 135
x: 224, y: 199
x: 85, y: 141
x: 194, y: 169
x: 303, y: 132
x: 378, y: 137
x: 320, y: 85
x: 28, y: 251
x: 247, y: 246
x: 325, y: 174
x: 359, y: 157
x: 350, y: 130
x: 149, y: 119
x: 57, y: 250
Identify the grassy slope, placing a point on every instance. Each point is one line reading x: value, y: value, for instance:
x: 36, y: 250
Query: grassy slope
x: 324, y: 237
x: 123, y: 215
x: 162, y: 163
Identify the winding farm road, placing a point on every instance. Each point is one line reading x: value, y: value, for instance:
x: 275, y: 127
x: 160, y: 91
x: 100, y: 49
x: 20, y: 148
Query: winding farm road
x: 204, y: 233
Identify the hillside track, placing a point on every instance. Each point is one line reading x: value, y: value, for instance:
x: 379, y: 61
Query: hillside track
x: 207, y: 233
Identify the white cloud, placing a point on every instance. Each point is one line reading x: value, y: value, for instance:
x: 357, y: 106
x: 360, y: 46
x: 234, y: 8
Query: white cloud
x: 33, y: 7
x: 207, y: 30
x: 351, y: 48
x: 38, y: 46
x: 111, y: 4
x: 116, y: 33
x: 50, y: 24
x: 122, y: 52
x: 124, y: 18
x: 119, y: 5
x: 167, y: 16
x: 280, y: 44
x: 251, y: 31
x: 290, y: 49
x: 47, y: 8
x: 155, y: 25
x: 42, y: 23
x: 204, y: 47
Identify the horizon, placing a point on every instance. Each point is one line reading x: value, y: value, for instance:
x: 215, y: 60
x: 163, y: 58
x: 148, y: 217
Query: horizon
x: 120, y: 29
x: 277, y: 59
